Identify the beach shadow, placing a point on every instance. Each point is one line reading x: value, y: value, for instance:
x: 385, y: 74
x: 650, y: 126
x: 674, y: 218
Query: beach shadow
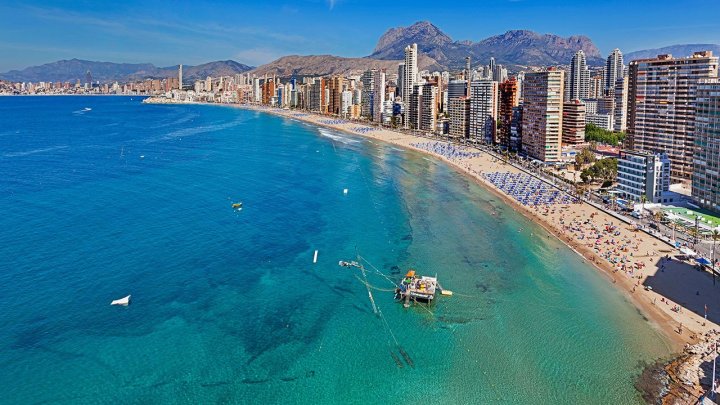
x: 685, y: 285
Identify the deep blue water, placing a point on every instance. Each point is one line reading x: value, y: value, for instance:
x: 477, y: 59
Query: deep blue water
x: 101, y: 197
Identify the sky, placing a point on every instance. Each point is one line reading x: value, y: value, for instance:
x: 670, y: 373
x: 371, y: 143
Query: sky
x: 256, y: 32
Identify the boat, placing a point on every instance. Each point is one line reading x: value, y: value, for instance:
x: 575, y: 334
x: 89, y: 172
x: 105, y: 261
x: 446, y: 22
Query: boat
x: 124, y: 301
x: 237, y: 206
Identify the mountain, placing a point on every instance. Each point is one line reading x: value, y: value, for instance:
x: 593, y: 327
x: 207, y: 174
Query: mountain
x: 517, y: 47
x: 106, y: 72
x: 320, y: 65
x: 677, y: 51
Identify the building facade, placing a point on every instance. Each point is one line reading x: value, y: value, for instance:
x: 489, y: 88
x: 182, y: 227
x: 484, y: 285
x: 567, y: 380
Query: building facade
x: 642, y: 174
x: 661, y: 106
x: 459, y: 115
x: 573, y: 122
x: 483, y: 110
x: 542, y: 114
x: 706, y: 169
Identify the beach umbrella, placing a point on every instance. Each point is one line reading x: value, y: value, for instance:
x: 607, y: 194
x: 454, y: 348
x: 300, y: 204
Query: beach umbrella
x: 703, y: 261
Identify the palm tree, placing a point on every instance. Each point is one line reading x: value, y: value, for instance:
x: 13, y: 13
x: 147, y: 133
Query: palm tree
x: 715, y: 236
x: 643, y: 200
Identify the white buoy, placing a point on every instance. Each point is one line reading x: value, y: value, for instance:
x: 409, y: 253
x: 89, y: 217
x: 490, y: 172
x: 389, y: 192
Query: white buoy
x: 315, y: 257
x: 345, y: 191
x: 122, y: 301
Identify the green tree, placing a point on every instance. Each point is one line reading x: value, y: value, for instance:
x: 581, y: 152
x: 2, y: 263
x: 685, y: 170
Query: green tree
x: 584, y: 157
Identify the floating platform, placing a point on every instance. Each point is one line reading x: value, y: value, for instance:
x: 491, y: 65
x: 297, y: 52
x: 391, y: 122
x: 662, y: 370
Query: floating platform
x: 416, y: 288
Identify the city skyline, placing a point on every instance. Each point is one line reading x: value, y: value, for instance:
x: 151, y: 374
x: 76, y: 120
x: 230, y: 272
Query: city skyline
x: 36, y: 32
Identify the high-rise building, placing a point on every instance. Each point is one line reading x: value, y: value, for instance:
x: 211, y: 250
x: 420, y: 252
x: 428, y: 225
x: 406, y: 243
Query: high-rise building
x: 661, y: 106
x: 336, y: 86
x: 180, y: 83
x: 257, y: 95
x: 423, y: 107
x: 621, y: 101
x: 579, y: 80
x: 706, y: 169
x: 378, y: 96
x: 499, y: 73
x: 268, y: 90
x: 483, y: 110
x: 401, y: 79
x: 411, y: 71
x: 596, y: 89
x: 368, y: 86
x: 459, y: 114
x: 542, y: 114
x: 614, y: 69
x: 508, y: 100
x: 573, y: 122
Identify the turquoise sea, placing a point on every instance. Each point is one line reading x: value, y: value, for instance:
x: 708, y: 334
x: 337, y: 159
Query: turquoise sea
x: 101, y: 197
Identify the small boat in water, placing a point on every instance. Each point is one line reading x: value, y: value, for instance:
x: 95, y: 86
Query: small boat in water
x: 125, y: 301
x: 237, y: 206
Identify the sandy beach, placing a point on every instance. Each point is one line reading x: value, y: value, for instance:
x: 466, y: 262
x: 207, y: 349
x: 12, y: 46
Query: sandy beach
x: 669, y: 292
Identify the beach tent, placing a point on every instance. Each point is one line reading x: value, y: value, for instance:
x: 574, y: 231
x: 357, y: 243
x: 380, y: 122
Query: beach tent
x: 703, y: 261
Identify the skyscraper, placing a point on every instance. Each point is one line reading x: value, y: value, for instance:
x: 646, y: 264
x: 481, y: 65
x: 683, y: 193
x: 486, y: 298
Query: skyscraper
x: 508, y: 100
x: 661, y: 106
x: 423, y: 107
x: 411, y: 71
x: 483, y: 110
x: 368, y: 83
x: 180, y: 84
x: 336, y: 85
x: 614, y: 69
x: 542, y: 114
x: 706, y: 168
x: 579, y: 77
x: 621, y: 100
x: 378, y: 95
x: 401, y: 79
x: 459, y: 114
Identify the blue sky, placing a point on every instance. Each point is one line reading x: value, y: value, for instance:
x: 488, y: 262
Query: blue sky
x: 255, y: 32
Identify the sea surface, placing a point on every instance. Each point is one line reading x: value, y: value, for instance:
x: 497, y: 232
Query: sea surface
x: 101, y: 197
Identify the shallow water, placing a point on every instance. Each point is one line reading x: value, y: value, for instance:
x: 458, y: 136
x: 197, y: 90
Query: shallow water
x: 227, y: 306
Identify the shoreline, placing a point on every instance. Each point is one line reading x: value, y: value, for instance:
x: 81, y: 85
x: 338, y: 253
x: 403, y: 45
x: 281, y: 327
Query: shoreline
x: 683, y: 330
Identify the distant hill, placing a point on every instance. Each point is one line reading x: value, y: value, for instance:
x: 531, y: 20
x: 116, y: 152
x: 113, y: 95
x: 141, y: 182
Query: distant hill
x: 675, y: 50
x: 107, y: 72
x: 320, y: 65
x: 518, y: 47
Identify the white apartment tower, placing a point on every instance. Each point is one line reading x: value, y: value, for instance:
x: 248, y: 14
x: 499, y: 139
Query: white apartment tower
x: 378, y: 96
x: 579, y: 81
x: 483, y: 110
x: 180, y: 78
x: 411, y: 71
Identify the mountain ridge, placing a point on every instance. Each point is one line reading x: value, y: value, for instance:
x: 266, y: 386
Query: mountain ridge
x: 514, y: 47
x: 71, y: 70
